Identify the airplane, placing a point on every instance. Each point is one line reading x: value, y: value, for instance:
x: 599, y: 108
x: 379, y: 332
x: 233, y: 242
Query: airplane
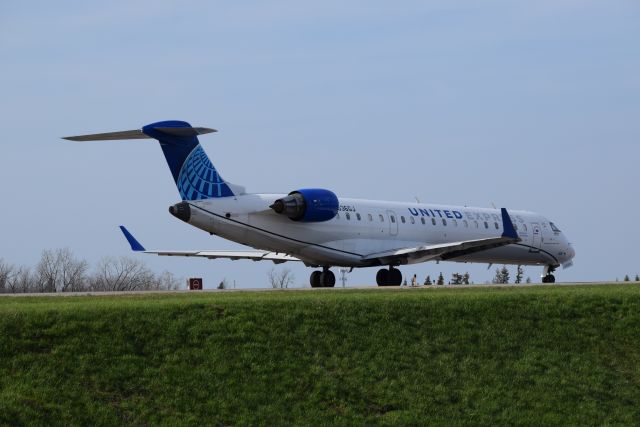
x: 316, y: 227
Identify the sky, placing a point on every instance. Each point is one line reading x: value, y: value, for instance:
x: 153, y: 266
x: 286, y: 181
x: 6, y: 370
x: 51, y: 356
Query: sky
x: 525, y: 105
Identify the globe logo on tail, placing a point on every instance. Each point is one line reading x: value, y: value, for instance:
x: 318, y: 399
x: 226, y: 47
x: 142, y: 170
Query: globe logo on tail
x: 199, y: 180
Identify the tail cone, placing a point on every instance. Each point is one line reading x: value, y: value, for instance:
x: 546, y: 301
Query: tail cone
x: 181, y: 211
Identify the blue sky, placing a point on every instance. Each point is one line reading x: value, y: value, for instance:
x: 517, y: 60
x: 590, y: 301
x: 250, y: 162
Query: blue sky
x: 528, y: 105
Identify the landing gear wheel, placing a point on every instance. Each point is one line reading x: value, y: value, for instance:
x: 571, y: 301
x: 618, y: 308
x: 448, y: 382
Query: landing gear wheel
x: 327, y: 279
x: 382, y: 277
x: 395, y: 277
x: 315, y: 279
x: 390, y: 277
x: 547, y: 274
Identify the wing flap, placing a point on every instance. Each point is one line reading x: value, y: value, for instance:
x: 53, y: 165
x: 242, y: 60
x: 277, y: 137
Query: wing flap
x: 232, y: 255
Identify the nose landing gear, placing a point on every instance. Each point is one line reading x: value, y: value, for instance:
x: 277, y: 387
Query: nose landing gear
x: 548, y: 277
x: 390, y: 277
x: 322, y: 279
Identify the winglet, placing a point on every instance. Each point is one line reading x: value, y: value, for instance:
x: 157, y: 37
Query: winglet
x: 508, y: 229
x: 135, y: 245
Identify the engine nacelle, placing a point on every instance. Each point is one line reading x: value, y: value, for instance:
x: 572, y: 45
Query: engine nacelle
x: 308, y: 205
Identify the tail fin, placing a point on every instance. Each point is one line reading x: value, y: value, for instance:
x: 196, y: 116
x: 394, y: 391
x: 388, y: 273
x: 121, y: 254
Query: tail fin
x: 194, y: 174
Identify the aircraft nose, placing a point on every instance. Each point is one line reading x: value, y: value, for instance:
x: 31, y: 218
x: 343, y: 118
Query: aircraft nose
x: 570, y: 251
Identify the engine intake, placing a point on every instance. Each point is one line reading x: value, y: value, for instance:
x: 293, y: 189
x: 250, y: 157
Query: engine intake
x: 308, y: 205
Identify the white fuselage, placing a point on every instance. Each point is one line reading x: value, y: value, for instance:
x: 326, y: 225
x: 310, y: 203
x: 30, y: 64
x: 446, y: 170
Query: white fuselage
x: 363, y: 227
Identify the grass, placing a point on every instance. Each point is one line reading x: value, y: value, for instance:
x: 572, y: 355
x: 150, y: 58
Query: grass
x: 549, y: 355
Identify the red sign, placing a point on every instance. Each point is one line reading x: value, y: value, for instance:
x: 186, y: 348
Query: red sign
x: 195, y: 283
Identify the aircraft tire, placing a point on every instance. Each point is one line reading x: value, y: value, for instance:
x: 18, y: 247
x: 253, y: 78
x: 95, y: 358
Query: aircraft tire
x: 327, y: 279
x: 395, y: 277
x: 549, y: 278
x: 315, y: 279
x: 382, y: 277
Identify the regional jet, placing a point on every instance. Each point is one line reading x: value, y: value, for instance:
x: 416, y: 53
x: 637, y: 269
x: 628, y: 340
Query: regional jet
x: 322, y: 230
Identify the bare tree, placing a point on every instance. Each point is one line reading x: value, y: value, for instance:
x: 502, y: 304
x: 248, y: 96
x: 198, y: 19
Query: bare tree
x: 73, y: 272
x: 122, y: 274
x: 166, y: 281
x: 6, y: 270
x: 59, y: 271
x: 21, y: 280
x: 47, y: 272
x: 281, y: 279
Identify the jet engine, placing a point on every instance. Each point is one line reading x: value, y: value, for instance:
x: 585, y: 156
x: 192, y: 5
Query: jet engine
x: 308, y: 205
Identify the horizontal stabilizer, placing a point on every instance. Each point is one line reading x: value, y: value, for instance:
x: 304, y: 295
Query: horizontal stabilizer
x: 109, y: 136
x: 138, y: 134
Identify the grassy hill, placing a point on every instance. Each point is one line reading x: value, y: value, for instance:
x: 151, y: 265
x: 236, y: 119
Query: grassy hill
x: 530, y: 355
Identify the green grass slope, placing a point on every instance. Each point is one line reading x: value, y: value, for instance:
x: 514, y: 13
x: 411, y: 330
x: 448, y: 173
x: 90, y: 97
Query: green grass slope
x: 528, y: 356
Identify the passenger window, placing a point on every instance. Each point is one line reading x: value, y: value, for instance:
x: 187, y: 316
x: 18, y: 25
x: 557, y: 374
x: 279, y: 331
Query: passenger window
x: 413, y: 221
x: 347, y: 216
x: 338, y: 216
x: 433, y: 221
x: 497, y: 226
x: 444, y: 222
x: 422, y: 219
x: 370, y: 217
x: 358, y: 216
x: 393, y: 218
x: 515, y: 226
x: 466, y: 224
x: 524, y: 226
x: 477, y: 226
x: 402, y: 218
x: 486, y: 224
x: 381, y: 218
x: 455, y: 222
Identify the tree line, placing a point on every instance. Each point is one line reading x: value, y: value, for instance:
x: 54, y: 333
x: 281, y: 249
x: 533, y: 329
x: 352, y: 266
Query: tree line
x: 58, y: 270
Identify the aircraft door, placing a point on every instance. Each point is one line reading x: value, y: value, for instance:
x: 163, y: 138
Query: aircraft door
x: 536, y: 237
x: 393, y: 223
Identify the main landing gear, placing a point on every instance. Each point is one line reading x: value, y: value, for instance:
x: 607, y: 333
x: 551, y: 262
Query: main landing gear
x: 390, y: 277
x: 323, y: 279
x: 548, y: 277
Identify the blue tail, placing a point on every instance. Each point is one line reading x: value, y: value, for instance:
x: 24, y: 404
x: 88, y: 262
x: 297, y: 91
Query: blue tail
x: 195, y: 176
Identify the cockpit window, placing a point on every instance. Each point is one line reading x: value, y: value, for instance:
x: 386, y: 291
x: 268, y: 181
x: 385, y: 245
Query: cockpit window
x: 554, y: 228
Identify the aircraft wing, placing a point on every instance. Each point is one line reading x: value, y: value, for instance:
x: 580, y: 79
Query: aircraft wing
x: 442, y: 251
x: 446, y: 251
x: 275, y: 257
